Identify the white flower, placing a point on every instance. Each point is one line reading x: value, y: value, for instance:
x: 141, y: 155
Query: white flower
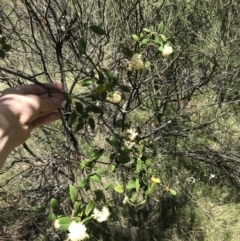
x: 135, y: 63
x: 56, y: 224
x: 77, y: 231
x: 191, y: 179
x: 129, y: 145
x: 131, y: 134
x: 167, y: 50
x: 212, y: 176
x: 125, y: 200
x: 101, y: 216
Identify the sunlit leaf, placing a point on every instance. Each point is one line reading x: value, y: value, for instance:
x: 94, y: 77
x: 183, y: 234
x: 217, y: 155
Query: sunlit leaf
x: 119, y: 188
x: 146, y: 30
x: 147, y: 64
x: 112, y: 168
x: 133, y: 198
x: 87, y: 220
x: 131, y: 184
x: 163, y: 37
x: 89, y: 207
x: 62, y: 223
x: 39, y: 209
x: 160, y: 27
x: 54, y: 203
x: 137, y: 184
x: 86, y: 82
x: 96, y: 154
x: 173, y: 192
x: 139, y: 165
x: 101, y: 171
x: 135, y: 37
x: 95, y: 177
x: 84, y: 183
x: 51, y: 218
x: 73, y: 193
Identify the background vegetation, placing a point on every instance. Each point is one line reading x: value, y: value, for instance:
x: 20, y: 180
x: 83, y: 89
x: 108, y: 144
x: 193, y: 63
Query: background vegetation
x: 184, y: 107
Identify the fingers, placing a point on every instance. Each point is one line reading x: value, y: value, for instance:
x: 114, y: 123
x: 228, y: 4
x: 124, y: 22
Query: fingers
x: 46, y: 119
x: 34, y: 89
x: 50, y: 104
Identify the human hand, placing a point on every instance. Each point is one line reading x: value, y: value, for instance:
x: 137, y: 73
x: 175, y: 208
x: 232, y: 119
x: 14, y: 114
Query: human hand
x: 24, y: 108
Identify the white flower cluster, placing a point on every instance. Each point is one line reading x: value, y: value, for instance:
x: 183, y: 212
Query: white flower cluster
x: 77, y: 231
x: 167, y: 50
x: 130, y: 136
x: 101, y: 216
x: 135, y: 63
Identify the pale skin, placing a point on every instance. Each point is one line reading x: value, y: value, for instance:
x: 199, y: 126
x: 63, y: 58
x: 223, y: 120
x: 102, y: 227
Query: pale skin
x: 23, y: 109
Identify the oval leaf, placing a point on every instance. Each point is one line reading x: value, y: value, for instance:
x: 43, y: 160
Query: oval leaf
x: 54, y: 203
x: 67, y: 96
x: 119, y: 188
x: 73, y: 193
x: 62, y: 223
x: 86, y: 82
x: 173, y: 192
x: 95, y: 178
x: 51, y: 218
x: 82, y: 45
x: 89, y: 208
x: 84, y: 183
x: 91, y: 123
x: 39, y: 209
x: 98, y: 30
x: 72, y: 118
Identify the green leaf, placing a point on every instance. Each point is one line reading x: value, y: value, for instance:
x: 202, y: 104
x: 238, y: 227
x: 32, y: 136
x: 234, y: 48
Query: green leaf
x: 148, y: 163
x: 62, y: 223
x: 84, y: 183
x: 101, y: 171
x: 87, y: 82
x: 119, y: 188
x: 147, y: 64
x: 68, y: 97
x: 127, y: 52
x: 72, y: 118
x: 139, y: 165
x: 54, y: 204
x: 96, y: 154
x: 6, y: 47
x: 113, y: 142
x: 87, y: 220
x: 109, y: 74
x: 95, y: 109
x: 39, y: 209
x: 160, y: 27
x: 135, y: 37
x: 91, y: 123
x: 163, y: 37
x: 79, y: 107
x: 95, y: 177
x: 89, y: 208
x: 2, y: 54
x: 109, y: 186
x: 137, y: 184
x: 77, y: 209
x: 79, y: 126
x: 82, y: 45
x: 133, y: 198
x: 151, y: 189
x: 73, y: 193
x: 125, y: 88
x: 147, y: 30
x: 51, y: 218
x: 98, y: 30
x: 131, y: 184
x: 144, y: 41
x: 173, y: 192
x: 112, y: 168
x: 160, y: 48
